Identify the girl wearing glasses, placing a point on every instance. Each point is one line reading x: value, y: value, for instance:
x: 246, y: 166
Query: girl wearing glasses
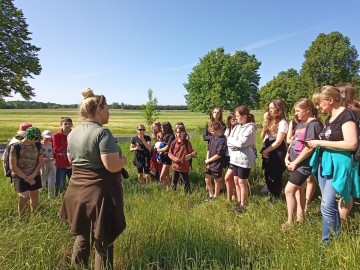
x: 141, y: 145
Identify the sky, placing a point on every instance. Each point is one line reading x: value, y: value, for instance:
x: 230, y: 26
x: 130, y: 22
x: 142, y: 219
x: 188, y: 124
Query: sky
x: 123, y: 48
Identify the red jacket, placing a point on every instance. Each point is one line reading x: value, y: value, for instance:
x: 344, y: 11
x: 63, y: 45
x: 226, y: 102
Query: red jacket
x: 177, y: 150
x: 59, y: 142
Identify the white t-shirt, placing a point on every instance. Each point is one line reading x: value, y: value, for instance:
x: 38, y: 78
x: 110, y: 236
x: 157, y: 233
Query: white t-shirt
x: 283, y: 128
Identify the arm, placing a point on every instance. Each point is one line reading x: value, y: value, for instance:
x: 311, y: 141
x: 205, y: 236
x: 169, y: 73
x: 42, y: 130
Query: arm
x: 36, y: 171
x: 290, y: 135
x: 113, y: 162
x: 147, y: 144
x: 244, y: 141
x: 279, y: 139
x: 301, y: 157
x: 212, y: 159
x: 206, y: 136
x: 349, y: 143
x: 14, y: 167
x: 133, y: 147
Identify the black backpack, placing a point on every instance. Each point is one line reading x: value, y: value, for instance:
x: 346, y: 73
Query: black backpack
x: 17, y: 147
x: 356, y: 117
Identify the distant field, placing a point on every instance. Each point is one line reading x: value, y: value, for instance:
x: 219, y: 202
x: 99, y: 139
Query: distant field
x: 122, y: 122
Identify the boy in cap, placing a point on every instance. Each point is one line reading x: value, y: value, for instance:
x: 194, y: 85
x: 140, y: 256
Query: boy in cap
x: 26, y: 159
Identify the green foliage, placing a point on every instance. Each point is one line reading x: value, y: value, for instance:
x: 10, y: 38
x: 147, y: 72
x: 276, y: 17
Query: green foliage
x: 223, y: 80
x: 150, y: 111
x: 286, y: 86
x: 331, y: 59
x: 18, y: 58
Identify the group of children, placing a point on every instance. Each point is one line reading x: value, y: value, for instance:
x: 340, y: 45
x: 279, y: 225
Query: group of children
x: 35, y: 160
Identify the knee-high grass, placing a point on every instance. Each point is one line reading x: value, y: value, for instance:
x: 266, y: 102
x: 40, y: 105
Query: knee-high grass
x: 172, y: 230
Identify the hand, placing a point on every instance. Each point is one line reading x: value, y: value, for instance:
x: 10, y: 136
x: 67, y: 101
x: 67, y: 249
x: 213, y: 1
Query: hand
x: 207, y: 161
x: 291, y: 167
x: 29, y: 179
x: 287, y: 162
x: 178, y: 160
x: 313, y: 143
x: 265, y: 154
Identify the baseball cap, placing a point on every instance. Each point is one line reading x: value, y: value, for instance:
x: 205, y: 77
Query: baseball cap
x: 47, y: 134
x: 23, y: 127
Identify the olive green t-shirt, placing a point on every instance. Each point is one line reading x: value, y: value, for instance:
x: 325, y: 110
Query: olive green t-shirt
x: 87, y: 142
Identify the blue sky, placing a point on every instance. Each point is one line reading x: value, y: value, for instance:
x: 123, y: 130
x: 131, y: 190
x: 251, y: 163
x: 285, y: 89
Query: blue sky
x: 123, y: 48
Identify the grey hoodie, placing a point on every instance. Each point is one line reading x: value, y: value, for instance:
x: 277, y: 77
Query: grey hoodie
x: 242, y: 142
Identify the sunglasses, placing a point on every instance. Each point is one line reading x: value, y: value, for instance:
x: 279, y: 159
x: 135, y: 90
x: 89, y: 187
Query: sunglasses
x: 141, y: 129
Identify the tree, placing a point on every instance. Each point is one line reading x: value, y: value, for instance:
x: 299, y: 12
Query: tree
x: 223, y: 80
x: 18, y: 58
x: 331, y: 59
x: 287, y: 86
x: 149, y: 110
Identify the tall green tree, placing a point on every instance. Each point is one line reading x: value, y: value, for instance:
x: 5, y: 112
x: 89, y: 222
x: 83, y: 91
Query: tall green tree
x: 223, y: 80
x: 330, y: 59
x: 287, y: 86
x: 150, y: 111
x: 18, y: 57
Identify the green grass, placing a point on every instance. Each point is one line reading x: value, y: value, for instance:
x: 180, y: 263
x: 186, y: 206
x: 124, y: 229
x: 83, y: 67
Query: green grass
x: 168, y: 230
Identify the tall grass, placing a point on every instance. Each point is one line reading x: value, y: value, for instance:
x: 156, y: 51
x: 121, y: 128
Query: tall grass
x: 171, y: 230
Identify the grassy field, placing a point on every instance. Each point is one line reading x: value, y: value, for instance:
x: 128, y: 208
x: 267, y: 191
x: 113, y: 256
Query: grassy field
x: 169, y: 230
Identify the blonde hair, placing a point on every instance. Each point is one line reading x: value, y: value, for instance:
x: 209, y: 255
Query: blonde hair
x: 329, y: 91
x: 90, y: 103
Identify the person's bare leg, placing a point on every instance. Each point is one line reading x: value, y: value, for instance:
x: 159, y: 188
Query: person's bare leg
x: 310, y: 190
x: 22, y: 205
x: 229, y: 181
x: 244, y: 191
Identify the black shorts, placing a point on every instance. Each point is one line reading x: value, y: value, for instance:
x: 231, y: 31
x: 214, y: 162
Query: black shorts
x: 21, y: 185
x: 242, y: 173
x: 297, y: 178
x: 166, y: 160
x: 213, y: 174
x: 143, y: 169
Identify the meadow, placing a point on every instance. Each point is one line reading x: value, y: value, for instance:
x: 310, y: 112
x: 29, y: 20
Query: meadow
x: 171, y: 230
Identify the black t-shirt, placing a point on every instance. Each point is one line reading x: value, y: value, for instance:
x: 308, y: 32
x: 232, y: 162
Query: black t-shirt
x: 217, y: 146
x: 136, y: 140
x: 332, y: 131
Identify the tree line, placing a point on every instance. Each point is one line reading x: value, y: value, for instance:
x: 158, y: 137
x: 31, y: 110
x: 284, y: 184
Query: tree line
x: 48, y: 105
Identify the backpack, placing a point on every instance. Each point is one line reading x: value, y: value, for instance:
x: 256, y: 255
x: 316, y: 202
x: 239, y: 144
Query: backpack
x: 356, y: 117
x: 17, y: 147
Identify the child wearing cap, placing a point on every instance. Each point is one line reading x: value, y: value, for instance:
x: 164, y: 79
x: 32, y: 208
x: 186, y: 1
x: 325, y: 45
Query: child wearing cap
x: 17, y: 138
x: 48, y: 170
x: 63, y: 166
x: 26, y: 159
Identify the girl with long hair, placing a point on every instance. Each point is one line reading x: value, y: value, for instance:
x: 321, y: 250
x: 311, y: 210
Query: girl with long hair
x: 274, y: 150
x: 167, y: 136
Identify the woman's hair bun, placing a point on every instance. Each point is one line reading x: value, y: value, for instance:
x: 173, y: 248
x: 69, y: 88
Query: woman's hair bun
x: 87, y: 93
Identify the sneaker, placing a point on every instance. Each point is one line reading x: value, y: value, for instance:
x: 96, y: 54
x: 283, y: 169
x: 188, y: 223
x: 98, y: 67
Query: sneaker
x: 209, y: 199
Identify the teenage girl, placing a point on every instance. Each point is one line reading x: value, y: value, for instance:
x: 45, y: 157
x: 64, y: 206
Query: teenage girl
x: 298, y: 157
x: 274, y: 150
x: 229, y: 176
x: 167, y: 136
